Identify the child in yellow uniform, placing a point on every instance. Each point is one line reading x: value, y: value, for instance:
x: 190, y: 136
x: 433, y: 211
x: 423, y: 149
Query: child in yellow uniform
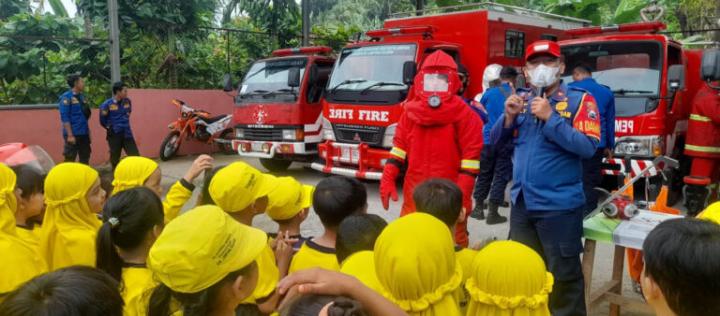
x: 74, y: 198
x: 30, y: 204
x: 288, y: 206
x: 138, y: 171
x: 443, y: 199
x: 416, y: 265
x: 19, y: 262
x: 355, y: 243
x: 335, y: 198
x: 205, y: 262
x: 132, y: 221
x: 508, y: 278
x: 242, y: 192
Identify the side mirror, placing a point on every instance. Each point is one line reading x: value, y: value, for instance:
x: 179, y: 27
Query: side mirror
x: 227, y: 83
x: 676, y: 77
x: 710, y: 66
x: 409, y: 71
x: 293, y: 80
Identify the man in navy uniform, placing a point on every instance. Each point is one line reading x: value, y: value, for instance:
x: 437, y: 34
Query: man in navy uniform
x: 553, y: 128
x: 115, y: 118
x: 74, y: 115
x: 592, y: 176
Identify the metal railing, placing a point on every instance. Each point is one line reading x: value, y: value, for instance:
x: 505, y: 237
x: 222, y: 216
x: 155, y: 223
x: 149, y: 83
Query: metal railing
x: 498, y: 7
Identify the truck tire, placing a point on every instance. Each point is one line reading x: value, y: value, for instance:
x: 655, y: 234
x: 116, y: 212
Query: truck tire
x: 170, y: 146
x: 275, y: 165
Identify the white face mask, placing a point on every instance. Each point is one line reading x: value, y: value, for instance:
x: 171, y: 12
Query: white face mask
x: 543, y: 76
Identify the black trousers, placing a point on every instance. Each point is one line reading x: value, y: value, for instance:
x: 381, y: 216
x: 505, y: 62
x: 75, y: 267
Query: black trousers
x: 495, y: 173
x: 592, y: 177
x: 556, y: 236
x: 80, y: 149
x: 118, y: 143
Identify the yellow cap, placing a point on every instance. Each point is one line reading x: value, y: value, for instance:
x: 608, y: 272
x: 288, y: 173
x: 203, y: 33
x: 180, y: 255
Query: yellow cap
x: 132, y: 172
x: 711, y: 213
x: 202, y: 246
x: 288, y: 199
x: 238, y: 185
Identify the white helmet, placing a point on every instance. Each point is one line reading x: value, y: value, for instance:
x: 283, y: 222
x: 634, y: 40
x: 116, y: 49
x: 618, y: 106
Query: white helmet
x: 491, y: 73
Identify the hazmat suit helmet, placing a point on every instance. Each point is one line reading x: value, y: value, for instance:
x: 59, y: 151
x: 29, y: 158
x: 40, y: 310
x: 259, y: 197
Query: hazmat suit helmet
x: 438, y: 80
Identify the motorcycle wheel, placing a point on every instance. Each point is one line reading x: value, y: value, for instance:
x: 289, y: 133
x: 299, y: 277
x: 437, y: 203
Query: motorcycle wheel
x: 275, y: 165
x: 170, y: 146
x: 226, y: 148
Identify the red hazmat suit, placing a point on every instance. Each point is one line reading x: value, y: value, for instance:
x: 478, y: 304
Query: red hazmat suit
x: 438, y: 136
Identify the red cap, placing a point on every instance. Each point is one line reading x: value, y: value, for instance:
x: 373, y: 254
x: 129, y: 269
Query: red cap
x: 542, y: 47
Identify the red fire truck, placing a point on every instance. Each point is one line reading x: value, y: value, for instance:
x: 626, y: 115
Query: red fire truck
x: 654, y: 80
x: 372, y: 78
x: 277, y: 108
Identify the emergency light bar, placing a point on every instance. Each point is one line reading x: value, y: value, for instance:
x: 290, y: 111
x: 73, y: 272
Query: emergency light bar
x: 302, y: 51
x: 425, y: 30
x: 618, y: 28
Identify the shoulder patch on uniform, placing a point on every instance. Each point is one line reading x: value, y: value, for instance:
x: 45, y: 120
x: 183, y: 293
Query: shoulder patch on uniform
x: 66, y: 101
x: 586, y: 119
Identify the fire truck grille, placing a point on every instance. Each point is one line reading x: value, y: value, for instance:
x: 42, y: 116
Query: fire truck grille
x: 266, y: 134
x: 354, y: 134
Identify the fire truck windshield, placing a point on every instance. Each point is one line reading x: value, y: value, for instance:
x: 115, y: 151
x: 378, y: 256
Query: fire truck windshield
x: 377, y: 69
x: 268, y: 81
x: 630, y: 69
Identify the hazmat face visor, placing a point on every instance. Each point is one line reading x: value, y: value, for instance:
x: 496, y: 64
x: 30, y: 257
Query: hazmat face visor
x: 435, y: 83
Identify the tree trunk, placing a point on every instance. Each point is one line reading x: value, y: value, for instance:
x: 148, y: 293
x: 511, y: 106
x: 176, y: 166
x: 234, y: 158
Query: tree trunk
x: 87, y: 25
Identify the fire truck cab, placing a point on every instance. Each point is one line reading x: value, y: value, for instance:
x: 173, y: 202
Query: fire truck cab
x: 277, y: 108
x: 371, y: 79
x: 654, y: 80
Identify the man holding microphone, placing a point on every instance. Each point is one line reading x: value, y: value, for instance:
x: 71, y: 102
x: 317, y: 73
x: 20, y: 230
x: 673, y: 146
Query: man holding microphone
x: 553, y: 128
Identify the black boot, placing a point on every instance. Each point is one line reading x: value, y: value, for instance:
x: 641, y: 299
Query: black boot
x: 477, y: 212
x: 493, y: 216
x: 696, y: 198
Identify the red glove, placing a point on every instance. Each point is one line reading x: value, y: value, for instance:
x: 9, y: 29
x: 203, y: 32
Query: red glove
x: 466, y: 183
x: 388, y: 188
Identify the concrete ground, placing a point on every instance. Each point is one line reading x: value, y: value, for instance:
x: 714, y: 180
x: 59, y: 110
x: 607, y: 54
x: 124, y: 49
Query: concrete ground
x: 174, y: 169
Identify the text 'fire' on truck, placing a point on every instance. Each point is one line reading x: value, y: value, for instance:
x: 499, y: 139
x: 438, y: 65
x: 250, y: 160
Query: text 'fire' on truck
x: 277, y: 116
x: 371, y: 79
x: 654, y: 80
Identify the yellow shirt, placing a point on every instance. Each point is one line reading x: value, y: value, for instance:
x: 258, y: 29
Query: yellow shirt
x: 29, y: 236
x: 312, y: 255
x: 175, y: 199
x: 268, y: 276
x: 362, y: 266
x: 137, y: 286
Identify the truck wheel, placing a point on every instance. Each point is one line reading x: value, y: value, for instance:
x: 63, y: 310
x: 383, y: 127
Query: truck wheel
x: 170, y: 146
x: 275, y: 165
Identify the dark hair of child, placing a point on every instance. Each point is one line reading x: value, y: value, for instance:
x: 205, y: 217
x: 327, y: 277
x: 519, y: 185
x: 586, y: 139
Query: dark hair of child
x: 311, y: 305
x: 128, y: 218
x: 75, y: 290
x: 682, y: 256
x: 337, y: 197
x: 357, y: 233
x: 440, y: 198
x: 29, y: 180
x: 204, y: 198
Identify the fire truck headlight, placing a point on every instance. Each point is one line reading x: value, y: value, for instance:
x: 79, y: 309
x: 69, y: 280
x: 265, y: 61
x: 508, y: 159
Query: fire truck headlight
x: 239, y: 133
x: 327, y: 130
x: 645, y: 146
x: 389, y: 135
x: 292, y: 134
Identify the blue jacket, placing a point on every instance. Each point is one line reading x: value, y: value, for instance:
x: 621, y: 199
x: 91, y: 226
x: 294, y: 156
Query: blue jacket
x: 494, y: 102
x: 71, y: 111
x: 606, y: 106
x: 115, y: 116
x: 548, y: 155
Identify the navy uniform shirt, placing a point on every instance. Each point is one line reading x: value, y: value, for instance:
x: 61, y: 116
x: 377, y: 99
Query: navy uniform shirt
x: 494, y: 102
x: 115, y: 116
x: 606, y: 106
x: 72, y: 111
x: 548, y: 155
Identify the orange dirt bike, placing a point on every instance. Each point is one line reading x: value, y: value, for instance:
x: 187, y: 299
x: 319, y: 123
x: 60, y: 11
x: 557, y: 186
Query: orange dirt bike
x: 199, y: 125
